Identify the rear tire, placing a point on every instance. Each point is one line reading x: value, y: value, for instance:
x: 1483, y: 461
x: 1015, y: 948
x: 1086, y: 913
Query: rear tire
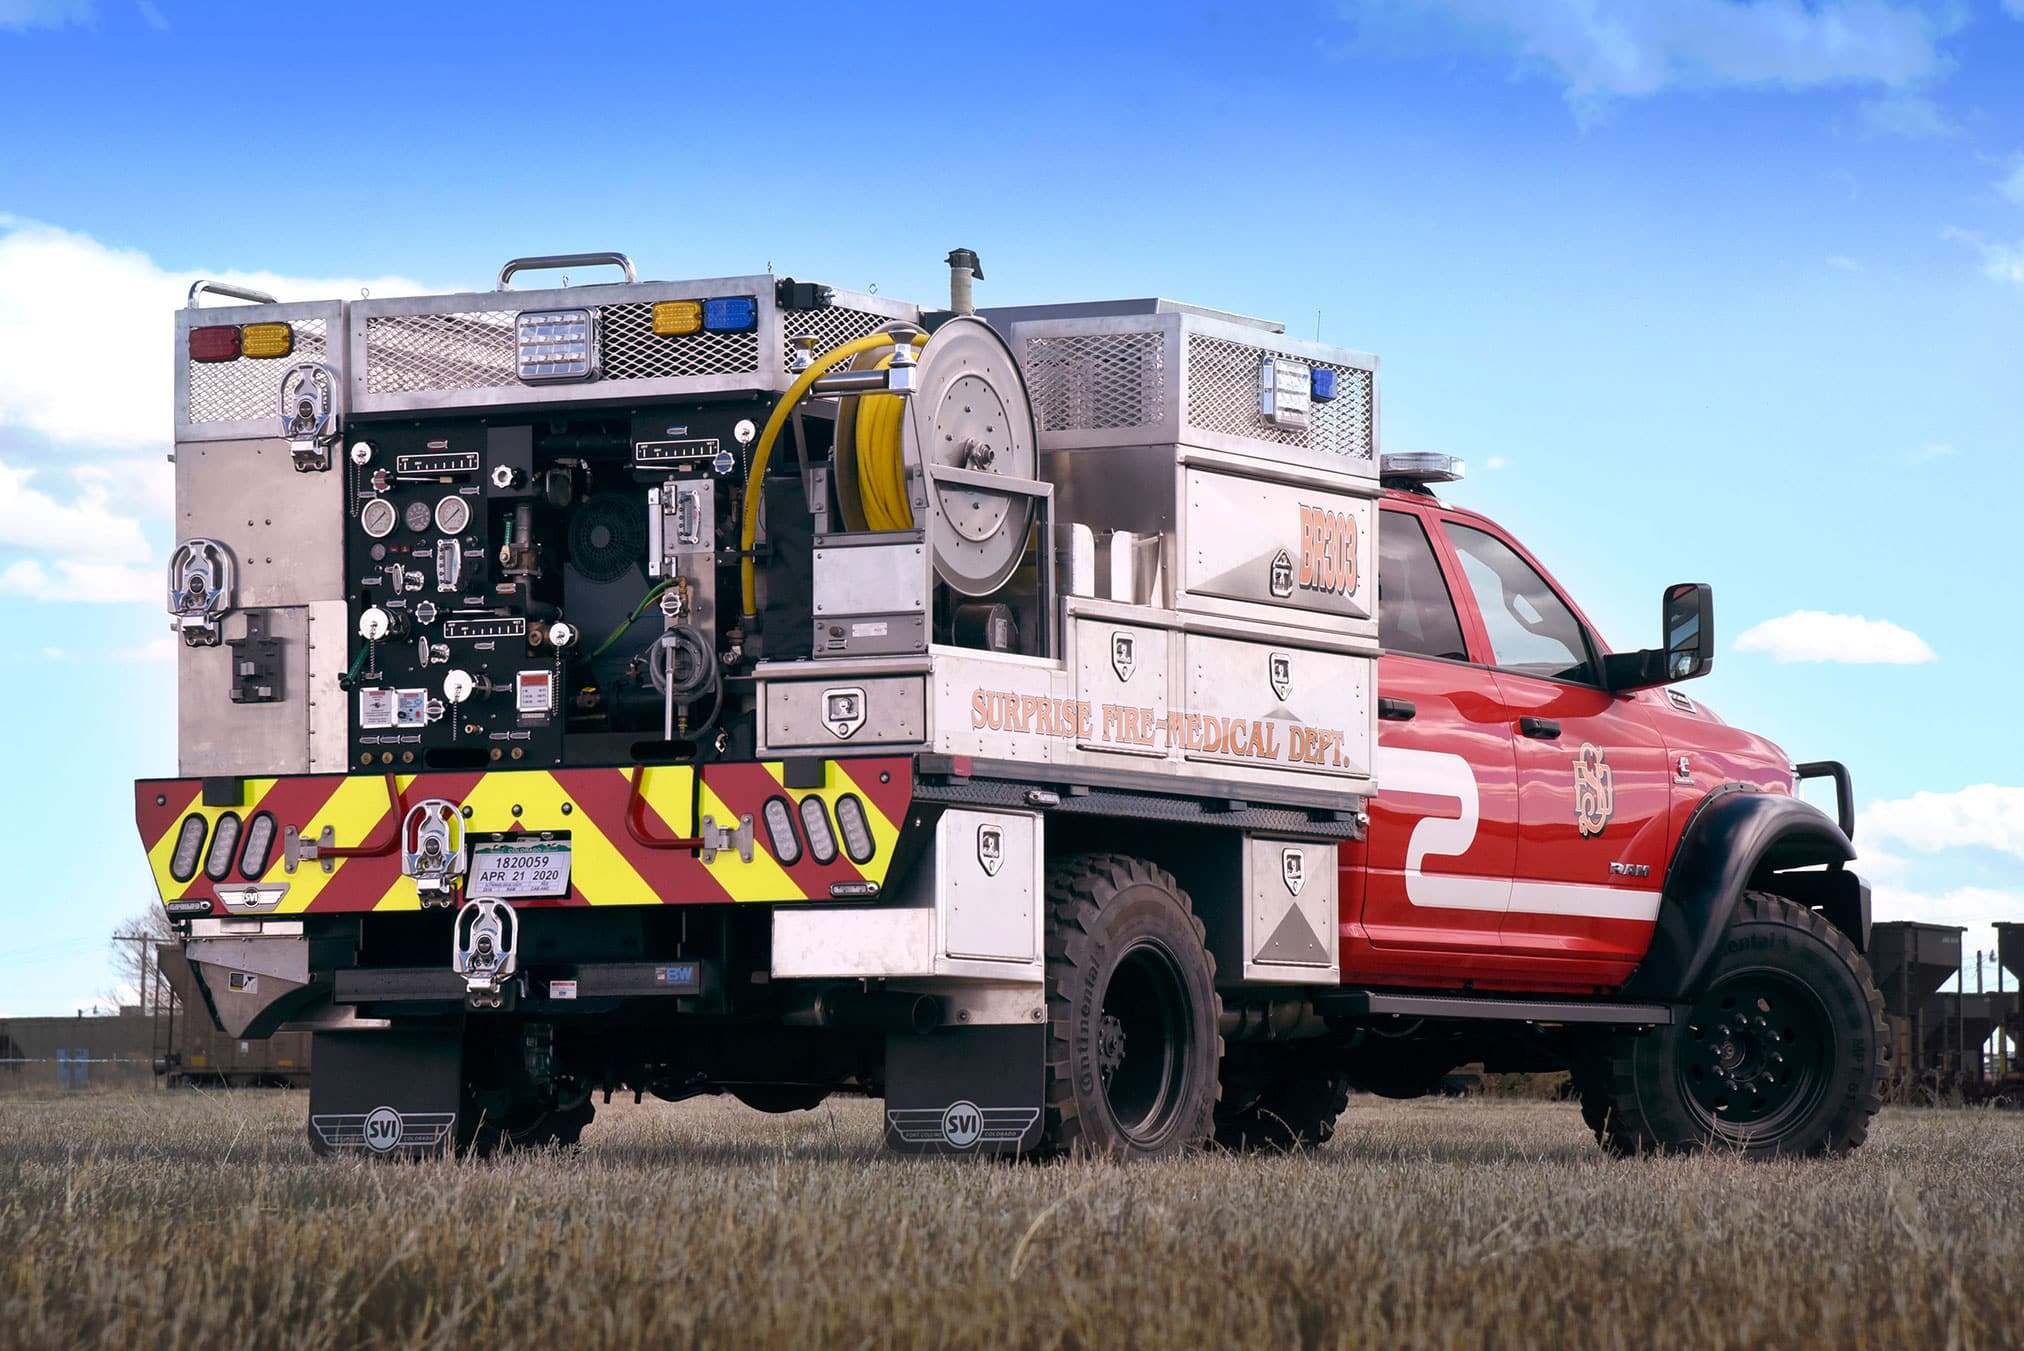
x: 1294, y: 1109
x: 1132, y: 1040
x: 1782, y: 1054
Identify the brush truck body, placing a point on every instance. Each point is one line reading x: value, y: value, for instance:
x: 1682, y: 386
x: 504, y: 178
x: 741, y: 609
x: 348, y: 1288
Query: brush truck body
x: 1065, y: 722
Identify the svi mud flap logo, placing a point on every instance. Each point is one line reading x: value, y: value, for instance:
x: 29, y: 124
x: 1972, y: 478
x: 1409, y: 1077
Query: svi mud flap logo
x: 384, y: 1130
x: 962, y: 1125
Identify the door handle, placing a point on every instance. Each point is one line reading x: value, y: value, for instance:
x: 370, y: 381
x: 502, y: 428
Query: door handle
x: 1397, y: 710
x: 1543, y: 729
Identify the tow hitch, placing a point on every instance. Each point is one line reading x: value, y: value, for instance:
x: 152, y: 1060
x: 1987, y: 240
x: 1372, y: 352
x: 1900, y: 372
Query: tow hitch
x: 486, y: 950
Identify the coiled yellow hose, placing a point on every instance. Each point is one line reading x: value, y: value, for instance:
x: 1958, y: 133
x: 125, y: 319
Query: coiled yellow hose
x: 892, y: 488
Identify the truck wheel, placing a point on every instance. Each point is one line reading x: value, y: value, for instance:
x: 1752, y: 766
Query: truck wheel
x: 1132, y: 1044
x: 1297, y: 1110
x: 1781, y: 1054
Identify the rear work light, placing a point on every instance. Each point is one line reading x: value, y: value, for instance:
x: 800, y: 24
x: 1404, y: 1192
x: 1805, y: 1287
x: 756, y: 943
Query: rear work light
x: 259, y: 845
x: 189, y: 846
x: 555, y: 345
x: 217, y: 342
x: 856, y: 828
x: 815, y: 822
x: 780, y: 830
x: 731, y: 314
x: 678, y: 318
x: 224, y: 842
x: 266, y: 340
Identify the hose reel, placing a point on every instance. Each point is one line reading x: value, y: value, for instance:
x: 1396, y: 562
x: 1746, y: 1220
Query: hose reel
x: 956, y: 456
x: 961, y: 446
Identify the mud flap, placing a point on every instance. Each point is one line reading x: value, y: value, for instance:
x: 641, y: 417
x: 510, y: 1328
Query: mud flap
x: 963, y: 1090
x: 386, y: 1094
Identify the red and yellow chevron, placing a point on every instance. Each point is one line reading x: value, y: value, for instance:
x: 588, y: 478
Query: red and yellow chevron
x: 609, y: 866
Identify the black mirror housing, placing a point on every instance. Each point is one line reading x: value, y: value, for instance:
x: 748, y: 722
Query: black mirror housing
x: 1688, y: 623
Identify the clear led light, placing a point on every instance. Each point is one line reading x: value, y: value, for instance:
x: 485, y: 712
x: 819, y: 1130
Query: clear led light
x: 556, y: 345
x: 815, y: 821
x: 189, y: 847
x: 779, y: 819
x: 224, y: 841
x: 856, y: 828
x: 259, y: 847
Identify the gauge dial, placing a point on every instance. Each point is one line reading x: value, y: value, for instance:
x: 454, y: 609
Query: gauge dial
x: 416, y: 516
x: 377, y: 518
x: 453, y: 513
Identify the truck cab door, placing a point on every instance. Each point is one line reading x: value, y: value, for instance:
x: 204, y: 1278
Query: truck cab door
x: 1435, y: 871
x: 1594, y: 786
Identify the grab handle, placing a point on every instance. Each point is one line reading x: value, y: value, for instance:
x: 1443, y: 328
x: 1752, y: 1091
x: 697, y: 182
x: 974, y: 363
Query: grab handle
x: 548, y: 260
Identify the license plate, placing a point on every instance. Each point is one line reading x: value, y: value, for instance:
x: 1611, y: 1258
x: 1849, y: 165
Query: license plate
x: 519, y: 867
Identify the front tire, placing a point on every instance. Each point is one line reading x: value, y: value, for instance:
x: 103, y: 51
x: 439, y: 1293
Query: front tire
x: 1782, y: 1053
x: 1132, y: 1040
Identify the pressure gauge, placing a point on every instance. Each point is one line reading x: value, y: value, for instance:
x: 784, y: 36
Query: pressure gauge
x: 453, y: 513
x: 377, y: 518
x: 457, y: 686
x: 374, y: 624
x: 416, y: 516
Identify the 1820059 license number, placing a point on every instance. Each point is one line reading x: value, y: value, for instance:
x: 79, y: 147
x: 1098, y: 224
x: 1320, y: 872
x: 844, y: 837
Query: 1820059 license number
x: 516, y: 869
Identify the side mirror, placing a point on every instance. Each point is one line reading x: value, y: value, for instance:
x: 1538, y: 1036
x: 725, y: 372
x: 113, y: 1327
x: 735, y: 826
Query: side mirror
x: 1689, y: 626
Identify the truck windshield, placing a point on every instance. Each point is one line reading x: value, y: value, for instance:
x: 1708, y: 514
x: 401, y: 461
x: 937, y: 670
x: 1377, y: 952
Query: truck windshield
x: 1531, y: 629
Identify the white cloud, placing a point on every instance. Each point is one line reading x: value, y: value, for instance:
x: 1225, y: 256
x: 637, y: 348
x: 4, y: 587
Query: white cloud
x: 156, y: 19
x: 2011, y: 185
x: 1844, y: 263
x: 1982, y: 814
x: 1600, y: 49
x: 31, y: 521
x: 1935, y: 450
x: 1911, y: 116
x: 1813, y: 635
x: 43, y: 13
x: 62, y: 294
x: 2003, y: 262
x: 2014, y: 8
x: 76, y: 579
x: 1495, y: 462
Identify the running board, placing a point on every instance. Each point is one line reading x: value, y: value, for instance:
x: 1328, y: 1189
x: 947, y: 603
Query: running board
x: 1360, y: 1003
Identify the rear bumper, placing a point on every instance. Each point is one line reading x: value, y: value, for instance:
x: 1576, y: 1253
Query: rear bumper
x: 617, y: 843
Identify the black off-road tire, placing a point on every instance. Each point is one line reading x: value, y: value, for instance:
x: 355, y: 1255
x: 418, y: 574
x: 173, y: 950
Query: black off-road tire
x: 522, y: 1126
x: 1132, y: 1041
x: 1783, y: 1053
x: 1293, y: 1111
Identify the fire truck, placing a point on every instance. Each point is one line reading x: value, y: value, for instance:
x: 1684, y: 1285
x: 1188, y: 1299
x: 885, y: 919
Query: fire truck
x: 1065, y: 723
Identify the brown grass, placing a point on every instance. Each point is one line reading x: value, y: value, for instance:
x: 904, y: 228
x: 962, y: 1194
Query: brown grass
x: 201, y: 1220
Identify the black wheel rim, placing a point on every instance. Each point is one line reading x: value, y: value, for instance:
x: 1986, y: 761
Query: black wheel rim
x: 1142, y: 1041
x: 1754, y: 1056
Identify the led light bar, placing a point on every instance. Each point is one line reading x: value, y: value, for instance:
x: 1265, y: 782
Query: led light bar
x: 265, y: 341
x: 1422, y: 466
x: 731, y: 314
x: 678, y: 318
x: 553, y: 346
x: 215, y: 342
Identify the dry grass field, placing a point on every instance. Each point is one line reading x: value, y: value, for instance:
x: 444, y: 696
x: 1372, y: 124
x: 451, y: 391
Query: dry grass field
x: 192, y: 1220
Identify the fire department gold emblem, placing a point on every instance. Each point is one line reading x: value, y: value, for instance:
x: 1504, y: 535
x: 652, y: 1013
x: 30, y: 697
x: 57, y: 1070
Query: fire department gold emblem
x: 1594, y: 790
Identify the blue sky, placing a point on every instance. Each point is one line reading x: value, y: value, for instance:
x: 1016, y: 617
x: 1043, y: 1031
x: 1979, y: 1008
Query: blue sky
x: 1703, y: 289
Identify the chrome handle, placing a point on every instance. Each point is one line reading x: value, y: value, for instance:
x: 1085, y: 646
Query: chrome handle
x: 219, y: 288
x: 548, y: 260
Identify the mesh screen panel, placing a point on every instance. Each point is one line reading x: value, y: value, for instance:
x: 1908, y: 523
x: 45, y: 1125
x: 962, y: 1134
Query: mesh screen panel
x: 1223, y: 397
x: 1091, y: 382
x: 248, y: 388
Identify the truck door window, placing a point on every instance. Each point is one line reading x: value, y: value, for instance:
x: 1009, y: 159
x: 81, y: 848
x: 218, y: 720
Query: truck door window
x: 1531, y: 629
x: 1415, y: 613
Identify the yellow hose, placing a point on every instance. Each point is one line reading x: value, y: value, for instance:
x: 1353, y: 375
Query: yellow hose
x: 747, y: 573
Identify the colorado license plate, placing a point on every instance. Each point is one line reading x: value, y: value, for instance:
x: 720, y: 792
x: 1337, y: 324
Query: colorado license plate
x: 519, y: 867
